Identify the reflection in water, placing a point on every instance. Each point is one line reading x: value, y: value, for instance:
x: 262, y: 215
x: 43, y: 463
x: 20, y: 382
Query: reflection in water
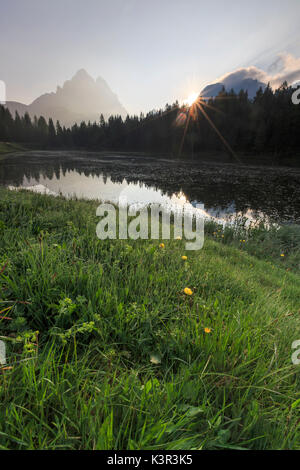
x: 225, y: 190
x: 73, y: 184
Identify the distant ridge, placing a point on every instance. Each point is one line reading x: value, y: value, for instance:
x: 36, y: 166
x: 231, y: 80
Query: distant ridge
x: 80, y: 99
x: 251, y: 85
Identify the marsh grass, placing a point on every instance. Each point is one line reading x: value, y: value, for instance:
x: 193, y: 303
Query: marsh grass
x: 105, y: 351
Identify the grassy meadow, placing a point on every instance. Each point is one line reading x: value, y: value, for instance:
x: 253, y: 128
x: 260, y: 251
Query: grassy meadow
x: 105, y: 350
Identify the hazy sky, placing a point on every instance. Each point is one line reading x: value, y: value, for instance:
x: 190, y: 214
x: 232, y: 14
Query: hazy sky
x: 149, y: 51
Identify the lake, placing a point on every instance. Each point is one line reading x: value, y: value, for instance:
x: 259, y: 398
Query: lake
x: 226, y: 190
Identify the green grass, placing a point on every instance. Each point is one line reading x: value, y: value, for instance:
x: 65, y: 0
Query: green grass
x: 9, y: 147
x: 104, y: 309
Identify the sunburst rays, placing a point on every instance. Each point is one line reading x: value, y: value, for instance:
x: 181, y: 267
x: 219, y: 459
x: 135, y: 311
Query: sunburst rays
x: 197, y: 105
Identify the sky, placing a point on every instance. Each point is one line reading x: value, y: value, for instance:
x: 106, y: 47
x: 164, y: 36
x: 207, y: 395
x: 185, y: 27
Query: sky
x: 149, y: 52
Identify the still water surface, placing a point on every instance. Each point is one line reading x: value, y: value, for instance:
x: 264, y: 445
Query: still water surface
x: 226, y: 190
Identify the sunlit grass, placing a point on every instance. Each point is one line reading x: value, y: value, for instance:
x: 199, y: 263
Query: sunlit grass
x: 108, y: 351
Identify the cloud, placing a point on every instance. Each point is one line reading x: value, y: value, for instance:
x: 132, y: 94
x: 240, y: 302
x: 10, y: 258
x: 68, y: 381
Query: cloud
x: 288, y: 69
x: 243, y: 74
x: 285, y: 67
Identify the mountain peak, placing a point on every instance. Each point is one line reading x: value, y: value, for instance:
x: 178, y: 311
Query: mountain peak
x: 235, y: 81
x: 82, y: 74
x: 82, y: 98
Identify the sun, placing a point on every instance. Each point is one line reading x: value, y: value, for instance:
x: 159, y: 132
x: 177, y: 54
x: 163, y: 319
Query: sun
x: 191, y: 98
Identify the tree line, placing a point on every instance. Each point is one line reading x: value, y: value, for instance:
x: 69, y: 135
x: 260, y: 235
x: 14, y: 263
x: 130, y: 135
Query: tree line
x: 269, y: 124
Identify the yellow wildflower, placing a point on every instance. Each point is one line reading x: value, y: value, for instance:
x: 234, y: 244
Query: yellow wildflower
x: 207, y: 330
x: 188, y: 291
x: 184, y: 258
x: 162, y: 245
x: 282, y: 255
